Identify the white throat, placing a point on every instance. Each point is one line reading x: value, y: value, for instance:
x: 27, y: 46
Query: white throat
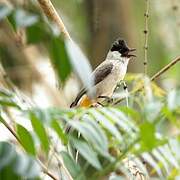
x: 114, y: 55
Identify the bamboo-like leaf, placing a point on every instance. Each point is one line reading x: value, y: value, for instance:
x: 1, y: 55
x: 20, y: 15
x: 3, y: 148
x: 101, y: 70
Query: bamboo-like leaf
x: 26, y: 140
x: 165, y: 150
x: 60, y: 58
x: 148, y: 158
x: 6, y: 154
x: 5, y: 93
x: 37, y: 33
x: 91, y: 131
x: 16, y: 164
x: 116, y: 120
x: 161, y: 159
x: 87, y: 152
x: 148, y: 139
x: 106, y: 124
x: 26, y: 166
x: 73, y: 168
x: 55, y: 125
x: 40, y: 131
x: 123, y: 122
x: 130, y: 113
x: 175, y: 147
x: 8, y: 102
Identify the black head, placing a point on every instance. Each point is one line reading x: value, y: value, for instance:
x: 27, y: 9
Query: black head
x: 121, y: 46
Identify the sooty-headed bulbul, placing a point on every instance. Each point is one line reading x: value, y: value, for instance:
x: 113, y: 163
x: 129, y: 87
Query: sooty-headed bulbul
x: 107, y: 75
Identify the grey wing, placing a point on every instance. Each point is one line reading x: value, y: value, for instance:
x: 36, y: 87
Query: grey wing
x: 100, y: 73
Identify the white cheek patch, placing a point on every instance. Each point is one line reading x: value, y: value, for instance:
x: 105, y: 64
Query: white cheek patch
x: 115, y: 55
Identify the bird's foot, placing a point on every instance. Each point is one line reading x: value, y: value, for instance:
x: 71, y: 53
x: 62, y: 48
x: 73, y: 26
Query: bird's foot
x: 97, y: 104
x: 108, y: 99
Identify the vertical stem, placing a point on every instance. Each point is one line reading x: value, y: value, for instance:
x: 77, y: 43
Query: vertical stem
x: 51, y: 12
x: 146, y: 33
x: 175, y: 9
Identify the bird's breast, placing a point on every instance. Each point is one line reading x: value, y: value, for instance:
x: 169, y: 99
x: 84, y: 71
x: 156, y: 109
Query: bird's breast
x: 107, y: 86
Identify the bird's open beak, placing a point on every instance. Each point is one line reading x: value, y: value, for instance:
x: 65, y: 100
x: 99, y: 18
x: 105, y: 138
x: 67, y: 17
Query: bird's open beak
x: 131, y: 50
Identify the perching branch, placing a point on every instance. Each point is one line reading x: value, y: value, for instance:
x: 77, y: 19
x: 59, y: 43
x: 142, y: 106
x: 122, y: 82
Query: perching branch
x: 51, y: 12
x: 146, y: 33
x: 155, y: 76
x: 164, y: 69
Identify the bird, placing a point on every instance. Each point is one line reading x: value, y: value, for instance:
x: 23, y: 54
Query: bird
x: 107, y: 75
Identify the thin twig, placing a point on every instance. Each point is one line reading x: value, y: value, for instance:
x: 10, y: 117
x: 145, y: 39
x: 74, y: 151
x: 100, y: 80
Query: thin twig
x: 17, y: 138
x: 155, y: 76
x: 49, y: 174
x: 50, y: 157
x: 62, y: 165
x: 10, y: 129
x: 146, y: 33
x: 164, y: 69
x: 51, y: 12
x: 45, y: 170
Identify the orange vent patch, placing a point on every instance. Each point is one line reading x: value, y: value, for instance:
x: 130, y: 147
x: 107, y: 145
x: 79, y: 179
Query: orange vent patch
x: 85, y: 102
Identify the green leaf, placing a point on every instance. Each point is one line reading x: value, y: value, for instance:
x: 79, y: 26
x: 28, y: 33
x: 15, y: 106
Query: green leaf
x: 170, y: 115
x: 73, y: 168
x: 7, y: 157
x: 103, y: 118
x: 37, y: 32
x: 55, y: 125
x: 91, y: 131
x: 123, y: 120
x: 40, y: 131
x: 59, y: 58
x: 152, y: 163
x: 8, y: 102
x: 43, y: 115
x: 26, y: 140
x: 130, y: 112
x: 13, y: 163
x: 12, y: 20
x: 148, y: 139
x: 87, y: 152
x: 26, y: 166
x: 4, y: 11
x: 6, y: 154
x: 5, y: 93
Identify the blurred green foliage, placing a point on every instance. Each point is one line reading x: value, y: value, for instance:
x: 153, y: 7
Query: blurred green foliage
x: 145, y: 131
